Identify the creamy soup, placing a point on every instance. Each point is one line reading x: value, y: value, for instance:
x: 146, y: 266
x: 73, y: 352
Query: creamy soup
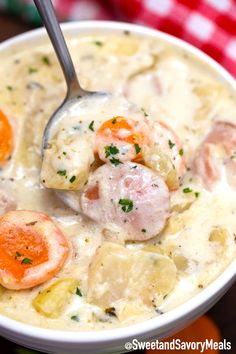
x: 148, y: 174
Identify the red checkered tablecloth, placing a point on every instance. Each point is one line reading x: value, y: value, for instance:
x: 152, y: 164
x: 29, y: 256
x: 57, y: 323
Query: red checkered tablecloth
x: 208, y: 24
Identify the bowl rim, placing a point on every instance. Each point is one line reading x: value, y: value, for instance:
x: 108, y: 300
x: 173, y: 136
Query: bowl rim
x: 225, y: 279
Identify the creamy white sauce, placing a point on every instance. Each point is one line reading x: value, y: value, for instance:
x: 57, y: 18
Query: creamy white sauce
x: 169, y: 86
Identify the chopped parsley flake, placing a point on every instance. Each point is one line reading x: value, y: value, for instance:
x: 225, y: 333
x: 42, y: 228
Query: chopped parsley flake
x: 98, y: 43
x: 91, y: 127
x: 127, y: 205
x: 144, y: 112
x: 46, y: 60
x: 61, y: 172
x: 144, y: 230
x: 197, y: 194
x: 72, y: 179
x: 32, y: 70
x: 64, y: 153
x: 78, y: 292
x: 171, y: 144
x: 9, y: 88
x: 115, y: 161
x: 137, y: 148
x: 18, y: 254
x: 110, y: 150
x: 75, y: 318
x: 114, y: 121
x: 26, y: 261
x: 187, y: 190
x: 181, y: 152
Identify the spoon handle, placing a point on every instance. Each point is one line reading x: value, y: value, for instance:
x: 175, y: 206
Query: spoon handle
x: 47, y: 13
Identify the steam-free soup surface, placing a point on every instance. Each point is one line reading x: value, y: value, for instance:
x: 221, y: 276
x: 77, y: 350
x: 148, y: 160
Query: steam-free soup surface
x: 153, y: 185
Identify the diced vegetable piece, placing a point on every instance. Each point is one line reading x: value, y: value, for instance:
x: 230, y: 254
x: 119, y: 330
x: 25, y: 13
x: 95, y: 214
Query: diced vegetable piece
x: 184, y: 205
x: 219, y: 235
x: 175, y: 224
x: 121, y: 139
x: 52, y: 301
x: 160, y: 162
x: 146, y: 276
x: 66, y: 164
x: 180, y: 261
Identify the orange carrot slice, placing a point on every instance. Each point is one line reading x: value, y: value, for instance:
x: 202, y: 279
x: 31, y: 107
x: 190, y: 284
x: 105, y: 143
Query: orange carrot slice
x: 127, y: 135
x: 6, y: 139
x: 32, y: 251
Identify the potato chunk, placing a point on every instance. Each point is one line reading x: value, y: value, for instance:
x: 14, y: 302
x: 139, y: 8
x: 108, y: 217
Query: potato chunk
x: 119, y: 274
x: 51, y: 301
x: 66, y: 164
x: 160, y: 162
x: 219, y: 235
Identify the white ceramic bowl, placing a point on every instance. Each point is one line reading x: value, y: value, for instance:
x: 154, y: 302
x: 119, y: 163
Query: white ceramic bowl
x: 113, y: 340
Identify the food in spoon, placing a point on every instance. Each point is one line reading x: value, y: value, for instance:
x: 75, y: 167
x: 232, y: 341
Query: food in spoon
x: 121, y: 139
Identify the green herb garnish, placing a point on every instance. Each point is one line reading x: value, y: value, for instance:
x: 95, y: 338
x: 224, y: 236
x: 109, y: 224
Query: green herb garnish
x: 110, y: 150
x: 75, y: 318
x: 91, y: 126
x: 181, y: 152
x: 171, y: 145
x: 137, y: 148
x: 32, y: 70
x: 114, y: 121
x: 115, y: 161
x: 72, y: 179
x: 78, y: 292
x: 9, y: 88
x: 187, y: 190
x: 144, y: 230
x: 46, y: 60
x: 61, y: 172
x: 98, y: 43
x: 26, y: 261
x: 127, y: 205
x: 197, y: 194
x: 64, y: 153
x: 144, y: 112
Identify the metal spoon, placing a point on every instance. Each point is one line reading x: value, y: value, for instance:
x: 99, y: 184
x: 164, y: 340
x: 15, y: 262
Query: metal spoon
x: 74, y: 90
